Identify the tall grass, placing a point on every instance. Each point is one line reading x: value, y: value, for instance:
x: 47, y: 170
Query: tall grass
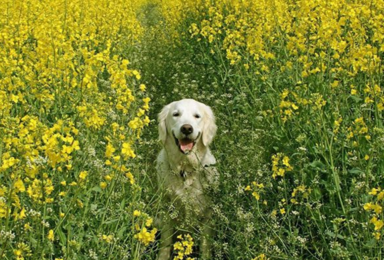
x: 297, y: 90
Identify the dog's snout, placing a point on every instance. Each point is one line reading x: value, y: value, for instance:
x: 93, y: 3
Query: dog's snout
x: 186, y: 129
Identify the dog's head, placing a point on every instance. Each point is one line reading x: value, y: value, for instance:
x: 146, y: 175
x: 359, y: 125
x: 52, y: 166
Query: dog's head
x: 187, y: 122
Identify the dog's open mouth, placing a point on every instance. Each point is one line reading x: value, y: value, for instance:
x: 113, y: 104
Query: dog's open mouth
x: 185, y: 145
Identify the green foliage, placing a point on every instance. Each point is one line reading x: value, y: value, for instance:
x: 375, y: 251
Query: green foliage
x: 296, y: 87
x: 299, y: 145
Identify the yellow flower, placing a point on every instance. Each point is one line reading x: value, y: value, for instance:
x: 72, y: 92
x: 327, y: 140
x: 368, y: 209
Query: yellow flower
x: 35, y: 190
x: 83, y: 175
x: 27, y: 227
x: 256, y: 195
x: 18, y: 253
x: 280, y: 165
x: 183, y: 247
x: 378, y: 223
x: 137, y: 74
x: 79, y: 203
x: 286, y: 161
x: 380, y: 196
x: 109, y: 150
x: 20, y: 215
x: 367, y: 206
x: 146, y: 103
x: 19, y: 186
x: 256, y: 188
x: 148, y: 222
x: 145, y: 236
x: 377, y: 208
x: 127, y: 150
x: 129, y: 175
x: 103, y: 184
x: 335, y: 84
x: 374, y: 191
x: 108, y: 238
x: 260, y: 257
x: 50, y: 235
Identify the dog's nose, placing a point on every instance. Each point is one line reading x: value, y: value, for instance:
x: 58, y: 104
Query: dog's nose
x: 186, y: 129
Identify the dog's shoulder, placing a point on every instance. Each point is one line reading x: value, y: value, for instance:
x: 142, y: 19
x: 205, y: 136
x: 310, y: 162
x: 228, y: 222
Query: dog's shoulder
x: 166, y: 168
x: 210, y: 171
x: 162, y: 165
x: 208, y: 159
x: 161, y: 159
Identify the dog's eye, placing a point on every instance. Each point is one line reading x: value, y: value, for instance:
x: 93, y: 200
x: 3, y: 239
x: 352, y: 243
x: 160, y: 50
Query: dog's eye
x: 197, y: 116
x: 176, y: 114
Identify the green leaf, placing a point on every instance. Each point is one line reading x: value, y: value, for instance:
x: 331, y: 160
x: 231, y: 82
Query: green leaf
x: 111, y: 221
x: 62, y: 237
x: 97, y: 189
x: 121, y: 232
x: 356, y: 171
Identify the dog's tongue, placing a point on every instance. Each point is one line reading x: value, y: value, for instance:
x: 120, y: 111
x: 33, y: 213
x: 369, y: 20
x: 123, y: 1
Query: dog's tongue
x: 186, y: 145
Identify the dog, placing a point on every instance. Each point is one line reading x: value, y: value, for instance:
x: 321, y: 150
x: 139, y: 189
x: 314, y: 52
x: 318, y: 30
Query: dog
x: 185, y: 169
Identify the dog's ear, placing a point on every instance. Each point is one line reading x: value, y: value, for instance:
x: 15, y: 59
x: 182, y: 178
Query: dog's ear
x: 209, y: 129
x: 162, y: 126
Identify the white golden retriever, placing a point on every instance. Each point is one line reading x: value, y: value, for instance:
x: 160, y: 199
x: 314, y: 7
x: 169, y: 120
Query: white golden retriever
x: 185, y: 169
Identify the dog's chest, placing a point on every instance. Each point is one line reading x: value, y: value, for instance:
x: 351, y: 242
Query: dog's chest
x: 189, y: 188
x: 189, y: 182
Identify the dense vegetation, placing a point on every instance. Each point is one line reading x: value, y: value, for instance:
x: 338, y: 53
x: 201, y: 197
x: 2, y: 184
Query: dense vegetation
x: 297, y: 89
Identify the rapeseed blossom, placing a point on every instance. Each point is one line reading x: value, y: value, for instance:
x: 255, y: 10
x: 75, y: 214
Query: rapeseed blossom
x: 376, y: 209
x: 256, y: 189
x: 260, y: 257
x: 280, y: 165
x: 51, y: 235
x: 145, y: 236
x: 65, y: 79
x: 183, y: 247
x: 72, y: 107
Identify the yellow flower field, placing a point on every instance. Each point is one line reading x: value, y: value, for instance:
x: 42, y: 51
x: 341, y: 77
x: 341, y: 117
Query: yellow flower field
x: 72, y: 110
x: 297, y: 89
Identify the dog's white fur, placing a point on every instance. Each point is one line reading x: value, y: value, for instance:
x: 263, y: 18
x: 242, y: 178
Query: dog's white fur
x: 185, y: 175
